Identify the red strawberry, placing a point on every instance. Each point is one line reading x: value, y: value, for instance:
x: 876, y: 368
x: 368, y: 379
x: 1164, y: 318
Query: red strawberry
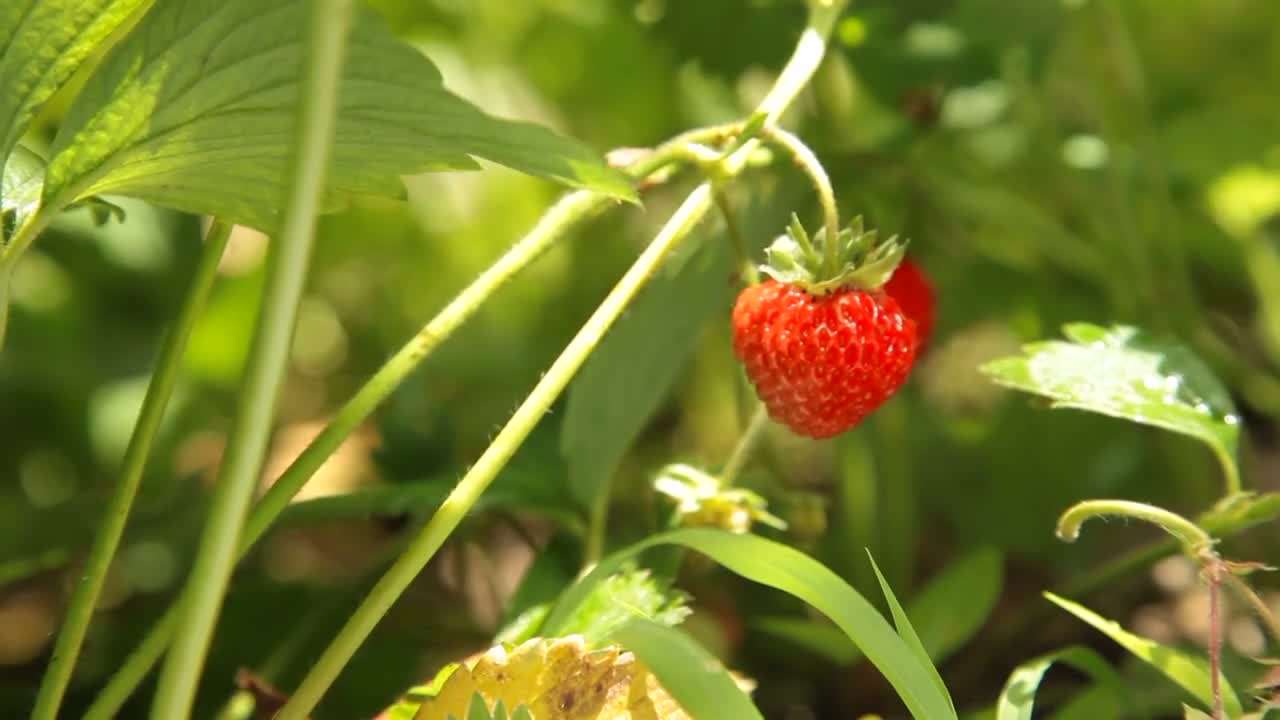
x: 822, y: 363
x: 914, y: 293
x: 822, y: 341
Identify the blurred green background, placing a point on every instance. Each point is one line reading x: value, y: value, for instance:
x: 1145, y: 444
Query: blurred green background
x: 1051, y: 160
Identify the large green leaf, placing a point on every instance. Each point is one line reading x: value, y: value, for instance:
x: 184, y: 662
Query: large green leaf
x: 1127, y: 374
x: 196, y: 107
x: 1017, y: 700
x: 697, y: 681
x: 797, y: 574
x: 1191, y: 673
x: 630, y: 374
x: 42, y: 43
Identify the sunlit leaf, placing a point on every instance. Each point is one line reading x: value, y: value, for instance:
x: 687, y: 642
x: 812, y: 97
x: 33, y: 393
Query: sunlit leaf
x: 648, y: 347
x: 1127, y: 374
x: 908, y: 633
x: 196, y: 110
x: 1191, y: 673
x: 44, y: 42
x: 697, y: 681
x: 797, y: 574
x: 1017, y: 700
x: 20, y: 186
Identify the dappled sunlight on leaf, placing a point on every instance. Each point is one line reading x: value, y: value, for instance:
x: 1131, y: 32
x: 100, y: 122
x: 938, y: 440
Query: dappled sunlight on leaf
x: 1123, y: 373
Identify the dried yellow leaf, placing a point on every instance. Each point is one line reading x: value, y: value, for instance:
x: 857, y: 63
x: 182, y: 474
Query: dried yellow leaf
x: 557, y: 679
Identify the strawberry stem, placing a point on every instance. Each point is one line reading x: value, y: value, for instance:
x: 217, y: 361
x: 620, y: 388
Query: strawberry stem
x: 809, y: 163
x: 747, y: 443
x: 750, y: 275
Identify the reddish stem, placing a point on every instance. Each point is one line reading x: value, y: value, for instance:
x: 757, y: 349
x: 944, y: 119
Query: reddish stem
x: 1214, y: 567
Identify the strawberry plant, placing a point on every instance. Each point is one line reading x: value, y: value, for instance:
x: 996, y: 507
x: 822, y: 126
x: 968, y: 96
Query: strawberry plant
x: 265, y: 334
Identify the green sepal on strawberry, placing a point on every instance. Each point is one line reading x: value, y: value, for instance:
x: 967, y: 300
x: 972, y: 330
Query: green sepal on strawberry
x: 864, y: 260
x: 821, y: 341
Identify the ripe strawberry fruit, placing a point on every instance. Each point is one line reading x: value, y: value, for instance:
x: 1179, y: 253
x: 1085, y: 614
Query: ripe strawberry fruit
x: 825, y: 348
x: 914, y: 293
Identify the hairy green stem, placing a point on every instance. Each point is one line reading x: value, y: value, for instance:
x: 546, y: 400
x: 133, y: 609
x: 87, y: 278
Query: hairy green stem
x: 571, y: 210
x: 812, y: 166
x: 330, y: 21
x: 746, y: 445
x: 741, y: 249
x: 493, y: 460
x: 116, y: 515
x: 799, y: 70
x: 1191, y: 536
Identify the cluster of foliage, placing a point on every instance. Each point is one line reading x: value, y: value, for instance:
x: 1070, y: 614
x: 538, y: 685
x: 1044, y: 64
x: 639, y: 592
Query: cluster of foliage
x: 272, y: 449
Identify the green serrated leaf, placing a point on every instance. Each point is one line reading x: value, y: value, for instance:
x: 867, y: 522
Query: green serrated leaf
x: 1124, y: 373
x: 797, y: 574
x: 44, y: 42
x: 649, y: 347
x: 619, y: 599
x: 20, y: 186
x: 1017, y: 700
x: 522, y: 713
x: 908, y: 633
x: 697, y: 681
x: 1190, y: 673
x: 196, y: 107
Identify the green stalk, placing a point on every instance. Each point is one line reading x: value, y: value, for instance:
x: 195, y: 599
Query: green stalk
x: 812, y: 166
x: 1191, y: 536
x: 574, y: 208
x: 747, y: 443
x: 330, y: 21
x: 11, y: 252
x: 6, y: 278
x: 804, y: 62
x: 747, y: 268
x: 493, y: 460
x: 107, y: 539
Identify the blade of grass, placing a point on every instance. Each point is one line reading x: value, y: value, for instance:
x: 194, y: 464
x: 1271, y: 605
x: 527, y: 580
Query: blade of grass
x: 908, y: 633
x: 116, y: 516
x: 573, y: 209
x: 791, y: 571
x: 330, y: 21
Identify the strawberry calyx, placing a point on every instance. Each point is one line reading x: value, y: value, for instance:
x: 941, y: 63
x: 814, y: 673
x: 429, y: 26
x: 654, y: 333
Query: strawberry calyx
x: 864, y: 261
